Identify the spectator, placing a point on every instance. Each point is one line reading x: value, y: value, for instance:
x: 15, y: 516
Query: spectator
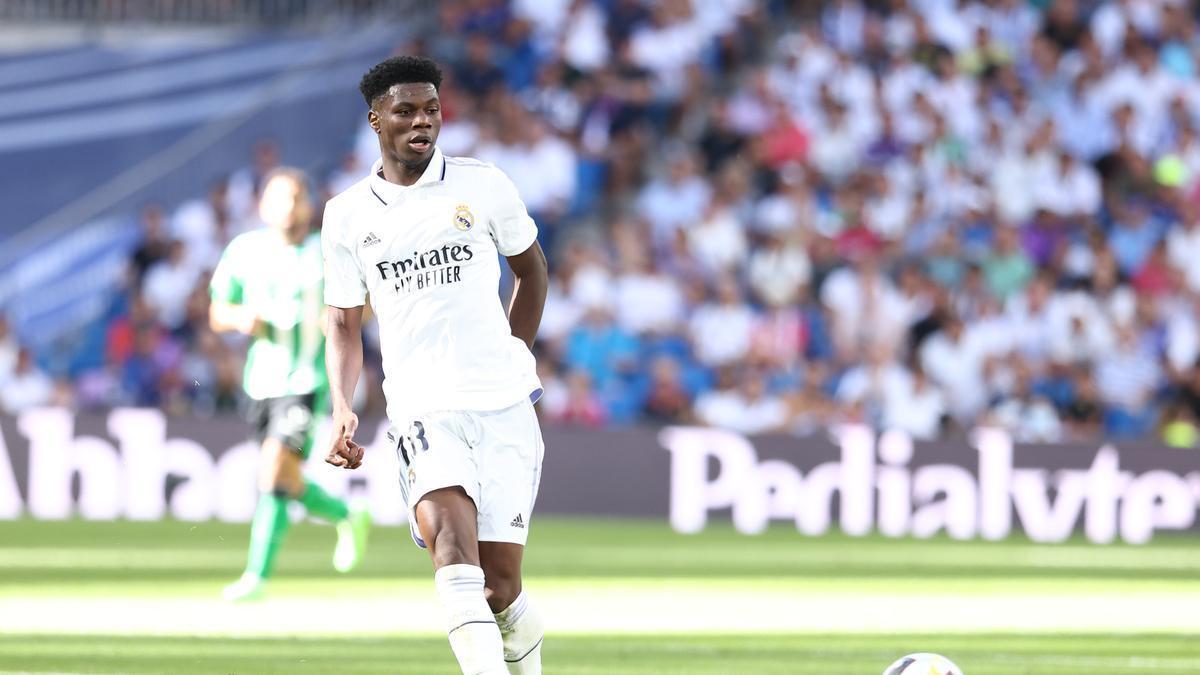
x: 1009, y: 268
x: 600, y: 348
x: 1126, y: 379
x: 478, y: 72
x: 245, y: 185
x: 1133, y: 237
x: 721, y: 330
x: 954, y: 359
x: 741, y: 403
x: 668, y: 43
x: 1071, y: 191
x: 119, y: 338
x: 541, y: 165
x: 1064, y: 24
x: 1083, y: 416
x: 155, y: 244
x: 779, y: 338
x: 784, y: 141
x: 647, y: 300
x: 677, y: 199
x: 585, y: 45
x: 837, y: 145
x: 144, y: 373
x: 168, y: 285
x: 1182, y: 348
x: 865, y: 306
x: 350, y: 170
x: 27, y: 386
x: 998, y: 194
x: 717, y: 242
x: 779, y: 270
x: 203, y: 225
x: 1029, y: 417
x: 578, y: 405
x: 101, y: 387
x: 915, y: 405
x: 667, y: 400
x: 874, y: 382
x: 1155, y: 278
x: 842, y: 22
x: 1183, y: 248
x: 809, y: 406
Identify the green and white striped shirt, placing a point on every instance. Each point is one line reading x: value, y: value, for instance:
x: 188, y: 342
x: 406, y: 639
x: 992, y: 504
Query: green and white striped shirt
x: 283, y: 285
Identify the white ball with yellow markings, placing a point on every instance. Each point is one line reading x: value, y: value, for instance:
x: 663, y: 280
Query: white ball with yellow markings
x: 923, y: 664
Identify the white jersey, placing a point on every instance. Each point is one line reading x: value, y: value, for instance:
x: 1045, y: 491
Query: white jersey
x: 427, y: 255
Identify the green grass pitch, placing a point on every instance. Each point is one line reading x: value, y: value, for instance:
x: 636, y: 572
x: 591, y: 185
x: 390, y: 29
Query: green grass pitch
x: 620, y: 597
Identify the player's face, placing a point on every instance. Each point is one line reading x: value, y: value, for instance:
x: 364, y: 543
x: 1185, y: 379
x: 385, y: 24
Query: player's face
x: 408, y: 119
x: 283, y: 204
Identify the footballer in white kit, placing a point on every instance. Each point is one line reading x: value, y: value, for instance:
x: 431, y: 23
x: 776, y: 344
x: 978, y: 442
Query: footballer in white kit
x: 421, y: 236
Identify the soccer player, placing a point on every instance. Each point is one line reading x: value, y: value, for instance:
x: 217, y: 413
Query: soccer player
x: 422, y: 235
x: 268, y: 286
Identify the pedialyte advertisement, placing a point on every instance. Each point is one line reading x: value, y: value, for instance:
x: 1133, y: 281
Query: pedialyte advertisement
x: 141, y: 464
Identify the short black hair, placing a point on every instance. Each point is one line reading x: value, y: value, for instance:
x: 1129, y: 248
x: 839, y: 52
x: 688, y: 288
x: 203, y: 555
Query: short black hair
x: 398, y: 70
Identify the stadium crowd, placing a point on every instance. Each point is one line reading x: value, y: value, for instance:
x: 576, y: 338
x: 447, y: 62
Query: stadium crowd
x: 919, y: 214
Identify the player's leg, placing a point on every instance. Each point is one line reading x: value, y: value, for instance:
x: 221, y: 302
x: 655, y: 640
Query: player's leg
x: 510, y: 457
x: 517, y: 617
x: 446, y: 519
x: 353, y: 524
x: 286, y: 427
x: 279, y: 481
x: 293, y: 422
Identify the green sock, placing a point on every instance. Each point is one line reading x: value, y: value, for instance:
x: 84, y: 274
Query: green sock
x: 266, y: 533
x: 322, y: 504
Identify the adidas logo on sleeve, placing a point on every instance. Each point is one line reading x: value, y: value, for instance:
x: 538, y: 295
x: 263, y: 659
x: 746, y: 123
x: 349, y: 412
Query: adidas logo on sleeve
x: 518, y: 522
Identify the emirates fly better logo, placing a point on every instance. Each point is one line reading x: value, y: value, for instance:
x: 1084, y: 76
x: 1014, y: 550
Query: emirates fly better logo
x: 435, y: 267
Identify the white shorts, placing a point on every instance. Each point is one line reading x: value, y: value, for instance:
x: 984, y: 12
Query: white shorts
x: 495, y: 456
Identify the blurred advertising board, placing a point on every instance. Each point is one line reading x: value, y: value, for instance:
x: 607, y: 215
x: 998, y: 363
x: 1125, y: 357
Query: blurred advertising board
x: 141, y: 464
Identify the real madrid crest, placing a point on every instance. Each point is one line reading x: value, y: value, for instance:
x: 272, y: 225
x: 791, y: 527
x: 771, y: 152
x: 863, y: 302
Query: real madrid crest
x: 463, y: 219
x: 412, y: 476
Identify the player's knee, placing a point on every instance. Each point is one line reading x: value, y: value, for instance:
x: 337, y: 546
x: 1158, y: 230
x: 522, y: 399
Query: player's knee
x: 280, y: 474
x: 268, y: 481
x: 450, y: 549
x: 284, y: 490
x: 501, y: 591
x: 280, y: 483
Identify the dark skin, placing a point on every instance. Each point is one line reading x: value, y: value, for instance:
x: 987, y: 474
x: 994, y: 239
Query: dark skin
x: 408, y: 119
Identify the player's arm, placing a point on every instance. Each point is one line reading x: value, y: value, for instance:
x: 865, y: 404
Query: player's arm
x: 345, y: 295
x: 343, y: 363
x: 227, y: 312
x: 229, y: 317
x: 366, y: 316
x: 515, y: 235
x: 529, y: 296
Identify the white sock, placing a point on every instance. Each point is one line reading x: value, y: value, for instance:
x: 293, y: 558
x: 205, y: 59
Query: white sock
x: 470, y: 623
x: 521, y: 627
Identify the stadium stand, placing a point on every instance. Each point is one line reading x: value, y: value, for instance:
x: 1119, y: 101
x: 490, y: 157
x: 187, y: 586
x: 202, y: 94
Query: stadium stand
x: 921, y: 215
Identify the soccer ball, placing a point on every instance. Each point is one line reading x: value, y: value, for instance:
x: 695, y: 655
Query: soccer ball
x: 923, y: 664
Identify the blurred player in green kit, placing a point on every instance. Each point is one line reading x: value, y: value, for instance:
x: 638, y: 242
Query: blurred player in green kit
x: 268, y: 285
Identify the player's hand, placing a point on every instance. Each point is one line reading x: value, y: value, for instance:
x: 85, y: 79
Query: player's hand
x: 252, y: 324
x: 343, y: 451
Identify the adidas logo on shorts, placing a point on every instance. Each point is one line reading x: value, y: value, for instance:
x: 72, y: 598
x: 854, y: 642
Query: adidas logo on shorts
x: 517, y: 522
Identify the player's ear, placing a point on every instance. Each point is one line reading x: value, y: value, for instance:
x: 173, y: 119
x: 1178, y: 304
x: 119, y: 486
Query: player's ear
x: 373, y: 119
